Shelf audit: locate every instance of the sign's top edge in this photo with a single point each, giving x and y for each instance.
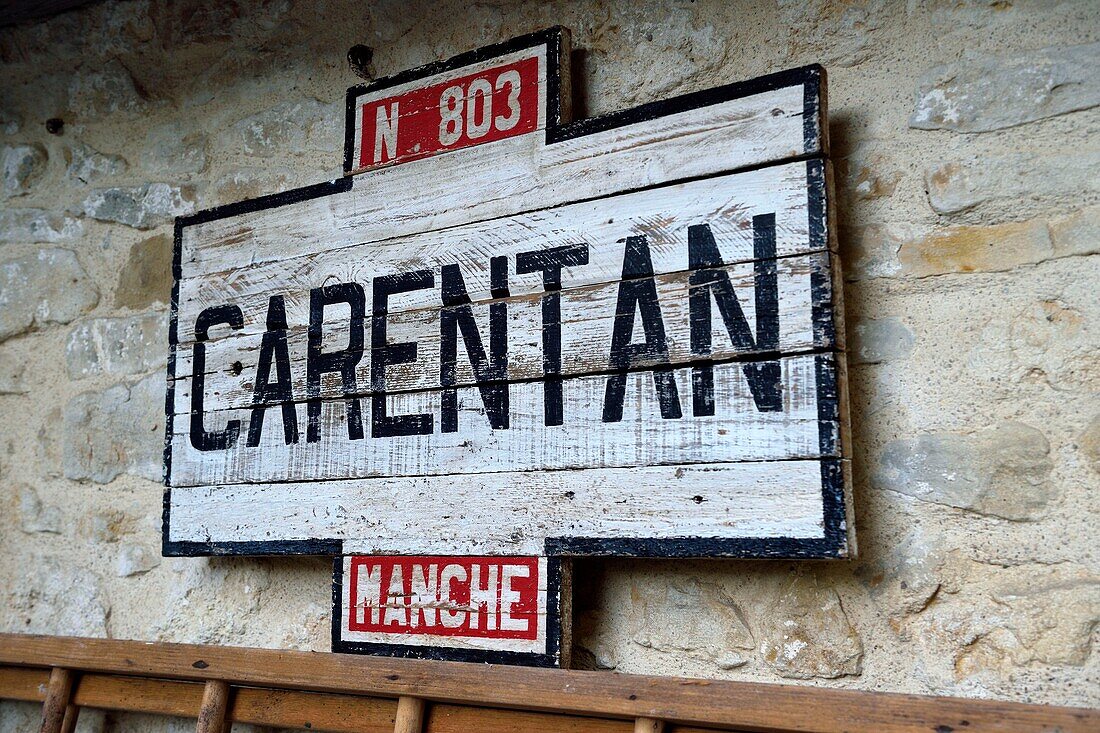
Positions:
(545, 37)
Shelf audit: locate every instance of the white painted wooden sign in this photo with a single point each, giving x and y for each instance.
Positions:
(474, 609)
(506, 333)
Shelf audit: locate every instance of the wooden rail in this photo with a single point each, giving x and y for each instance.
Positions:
(332, 692)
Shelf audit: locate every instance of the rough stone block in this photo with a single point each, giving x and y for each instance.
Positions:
(135, 560)
(1056, 339)
(55, 596)
(284, 127)
(47, 287)
(38, 226)
(993, 621)
(831, 33)
(104, 89)
(982, 92)
(1078, 234)
(85, 164)
(34, 516)
(808, 635)
(1089, 444)
(1003, 471)
(249, 183)
(905, 578)
(12, 371)
(22, 166)
(119, 430)
(171, 149)
(976, 249)
(142, 207)
(147, 276)
(698, 621)
(119, 346)
(878, 340)
(961, 185)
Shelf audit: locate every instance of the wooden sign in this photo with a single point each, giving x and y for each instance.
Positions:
(512, 334)
(505, 610)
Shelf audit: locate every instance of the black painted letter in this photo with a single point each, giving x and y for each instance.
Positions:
(549, 262)
(267, 393)
(703, 257)
(200, 439)
(384, 354)
(342, 361)
(490, 373)
(638, 291)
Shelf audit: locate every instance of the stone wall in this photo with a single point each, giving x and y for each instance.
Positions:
(966, 144)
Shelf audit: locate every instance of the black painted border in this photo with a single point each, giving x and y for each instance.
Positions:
(550, 658)
(815, 141)
(811, 77)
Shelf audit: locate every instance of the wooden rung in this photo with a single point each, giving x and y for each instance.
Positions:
(58, 693)
(648, 725)
(72, 714)
(215, 705)
(410, 715)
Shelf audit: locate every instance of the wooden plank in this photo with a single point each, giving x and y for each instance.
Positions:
(313, 711)
(649, 196)
(648, 725)
(139, 695)
(28, 685)
(646, 432)
(588, 319)
(744, 501)
(725, 204)
(751, 706)
(214, 707)
(463, 719)
(766, 121)
(277, 708)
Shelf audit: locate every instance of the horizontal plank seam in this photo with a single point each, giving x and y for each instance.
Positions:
(741, 358)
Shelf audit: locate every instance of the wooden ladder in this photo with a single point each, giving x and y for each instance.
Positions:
(219, 686)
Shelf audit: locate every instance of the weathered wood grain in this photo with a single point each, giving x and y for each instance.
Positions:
(738, 431)
(726, 204)
(721, 704)
(512, 513)
(631, 401)
(587, 322)
(514, 175)
(17, 683)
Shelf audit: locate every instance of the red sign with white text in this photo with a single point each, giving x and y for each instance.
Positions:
(473, 597)
(469, 110)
